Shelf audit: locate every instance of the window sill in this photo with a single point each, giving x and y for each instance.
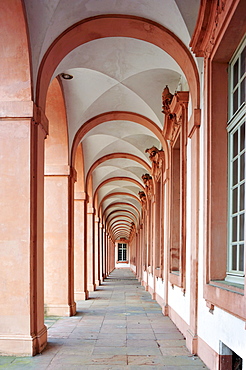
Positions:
(121, 261)
(226, 285)
(175, 278)
(227, 296)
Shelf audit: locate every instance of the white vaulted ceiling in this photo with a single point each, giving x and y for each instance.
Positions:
(113, 74)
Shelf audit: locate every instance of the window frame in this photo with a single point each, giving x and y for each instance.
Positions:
(122, 249)
(236, 121)
(175, 130)
(228, 296)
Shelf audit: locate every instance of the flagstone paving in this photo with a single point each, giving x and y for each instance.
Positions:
(118, 327)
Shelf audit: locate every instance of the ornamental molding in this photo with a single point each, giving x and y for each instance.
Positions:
(166, 100)
(157, 158)
(172, 126)
(175, 113)
(143, 199)
(211, 17)
(148, 182)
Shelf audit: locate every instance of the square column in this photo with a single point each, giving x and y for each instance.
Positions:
(80, 259)
(97, 252)
(90, 249)
(58, 231)
(22, 329)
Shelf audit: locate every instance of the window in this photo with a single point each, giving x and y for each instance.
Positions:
(236, 170)
(176, 209)
(122, 252)
(175, 130)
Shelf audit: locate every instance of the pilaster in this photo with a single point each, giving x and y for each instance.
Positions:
(58, 231)
(91, 286)
(22, 329)
(80, 260)
(97, 251)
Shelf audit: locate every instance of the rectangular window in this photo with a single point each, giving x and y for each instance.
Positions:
(176, 208)
(236, 171)
(122, 252)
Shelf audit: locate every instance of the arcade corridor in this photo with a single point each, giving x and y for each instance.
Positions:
(119, 327)
(123, 148)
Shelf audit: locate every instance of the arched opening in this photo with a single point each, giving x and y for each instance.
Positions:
(58, 282)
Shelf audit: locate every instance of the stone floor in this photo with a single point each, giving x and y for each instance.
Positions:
(119, 327)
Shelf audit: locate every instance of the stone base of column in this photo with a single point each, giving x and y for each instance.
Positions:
(191, 342)
(97, 282)
(91, 287)
(23, 345)
(153, 296)
(165, 310)
(60, 310)
(81, 296)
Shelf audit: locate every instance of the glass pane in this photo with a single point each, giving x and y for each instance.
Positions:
(242, 197)
(124, 255)
(241, 234)
(234, 257)
(235, 143)
(235, 172)
(242, 137)
(243, 60)
(234, 229)
(242, 91)
(242, 167)
(241, 257)
(234, 201)
(235, 74)
(235, 101)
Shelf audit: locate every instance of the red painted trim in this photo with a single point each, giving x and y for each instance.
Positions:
(122, 116)
(115, 156)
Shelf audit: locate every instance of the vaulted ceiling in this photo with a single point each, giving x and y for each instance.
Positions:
(119, 79)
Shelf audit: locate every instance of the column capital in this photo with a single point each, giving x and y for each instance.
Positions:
(40, 118)
(16, 110)
(90, 209)
(57, 170)
(73, 174)
(80, 195)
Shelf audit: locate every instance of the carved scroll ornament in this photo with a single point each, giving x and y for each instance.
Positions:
(143, 199)
(172, 126)
(157, 158)
(167, 98)
(148, 182)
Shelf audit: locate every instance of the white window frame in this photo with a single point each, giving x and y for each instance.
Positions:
(237, 119)
(124, 247)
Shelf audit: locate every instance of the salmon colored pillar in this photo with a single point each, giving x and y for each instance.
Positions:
(23, 128)
(111, 255)
(22, 330)
(59, 210)
(97, 252)
(107, 254)
(192, 337)
(101, 250)
(59, 300)
(104, 248)
(80, 274)
(139, 253)
(90, 248)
